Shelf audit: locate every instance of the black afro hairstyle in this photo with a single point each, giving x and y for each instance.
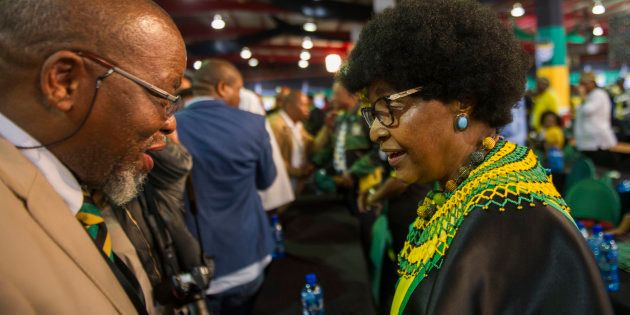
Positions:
(454, 49)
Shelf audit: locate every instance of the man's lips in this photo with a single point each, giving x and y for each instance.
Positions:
(147, 159)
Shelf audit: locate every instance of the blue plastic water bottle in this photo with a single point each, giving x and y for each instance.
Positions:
(583, 230)
(555, 157)
(595, 240)
(312, 297)
(278, 237)
(608, 263)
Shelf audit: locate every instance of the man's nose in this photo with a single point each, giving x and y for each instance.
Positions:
(169, 125)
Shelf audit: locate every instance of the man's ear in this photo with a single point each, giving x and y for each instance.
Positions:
(222, 88)
(59, 81)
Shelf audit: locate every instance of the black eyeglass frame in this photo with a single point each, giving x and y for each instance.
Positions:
(369, 112)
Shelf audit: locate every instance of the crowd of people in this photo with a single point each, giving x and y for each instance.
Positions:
(174, 175)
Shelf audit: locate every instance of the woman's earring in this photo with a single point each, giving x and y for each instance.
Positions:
(461, 122)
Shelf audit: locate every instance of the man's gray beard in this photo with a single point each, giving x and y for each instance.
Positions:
(121, 187)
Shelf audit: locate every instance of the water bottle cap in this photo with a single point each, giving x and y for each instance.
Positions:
(274, 218)
(579, 225)
(311, 279)
(608, 237)
(597, 229)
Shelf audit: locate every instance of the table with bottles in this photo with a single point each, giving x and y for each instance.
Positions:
(613, 259)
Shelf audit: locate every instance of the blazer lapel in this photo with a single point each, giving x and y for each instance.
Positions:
(49, 210)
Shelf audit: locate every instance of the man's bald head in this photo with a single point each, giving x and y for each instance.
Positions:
(218, 78)
(51, 91)
(31, 30)
(297, 106)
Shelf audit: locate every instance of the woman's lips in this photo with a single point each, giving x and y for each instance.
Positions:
(395, 157)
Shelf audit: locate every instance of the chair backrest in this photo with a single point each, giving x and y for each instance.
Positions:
(593, 199)
(583, 168)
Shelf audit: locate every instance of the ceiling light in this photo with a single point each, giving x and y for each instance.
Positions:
(517, 10)
(246, 53)
(310, 26)
(253, 62)
(598, 7)
(307, 43)
(197, 65)
(305, 55)
(598, 30)
(303, 64)
(333, 63)
(217, 22)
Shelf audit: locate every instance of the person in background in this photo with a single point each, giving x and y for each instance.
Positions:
(80, 110)
(315, 119)
(593, 130)
(552, 132)
(623, 228)
(492, 227)
(545, 99)
(344, 139)
(516, 130)
(232, 159)
(620, 98)
(295, 143)
(280, 193)
(154, 223)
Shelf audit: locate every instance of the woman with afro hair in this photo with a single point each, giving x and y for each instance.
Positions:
(494, 236)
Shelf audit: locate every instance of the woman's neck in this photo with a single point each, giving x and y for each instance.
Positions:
(468, 141)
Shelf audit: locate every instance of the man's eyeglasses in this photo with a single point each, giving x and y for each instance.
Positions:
(174, 102)
(383, 108)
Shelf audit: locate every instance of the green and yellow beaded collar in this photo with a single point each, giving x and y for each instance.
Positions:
(509, 174)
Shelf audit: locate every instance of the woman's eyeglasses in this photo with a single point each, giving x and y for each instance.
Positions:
(383, 108)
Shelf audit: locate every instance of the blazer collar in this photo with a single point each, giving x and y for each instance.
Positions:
(52, 214)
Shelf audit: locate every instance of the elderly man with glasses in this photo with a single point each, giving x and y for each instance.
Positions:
(78, 115)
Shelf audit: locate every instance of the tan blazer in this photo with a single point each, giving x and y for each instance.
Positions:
(48, 264)
(284, 138)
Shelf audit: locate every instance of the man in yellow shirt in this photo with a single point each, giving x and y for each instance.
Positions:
(545, 99)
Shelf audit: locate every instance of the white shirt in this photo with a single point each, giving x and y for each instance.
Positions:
(58, 176)
(593, 130)
(297, 152)
(280, 192)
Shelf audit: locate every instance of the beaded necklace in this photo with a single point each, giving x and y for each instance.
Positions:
(436, 197)
(508, 174)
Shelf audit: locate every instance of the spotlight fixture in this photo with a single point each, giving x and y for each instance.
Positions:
(333, 63)
(252, 62)
(303, 64)
(197, 65)
(217, 22)
(305, 55)
(246, 53)
(310, 26)
(517, 10)
(598, 30)
(307, 43)
(598, 7)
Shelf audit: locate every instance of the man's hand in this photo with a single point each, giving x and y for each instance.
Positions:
(344, 180)
(307, 170)
(330, 119)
